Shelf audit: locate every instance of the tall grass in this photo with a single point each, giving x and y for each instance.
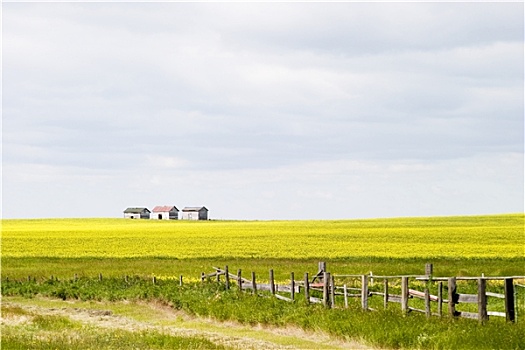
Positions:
(384, 328)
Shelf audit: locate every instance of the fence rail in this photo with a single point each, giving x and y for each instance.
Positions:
(325, 283)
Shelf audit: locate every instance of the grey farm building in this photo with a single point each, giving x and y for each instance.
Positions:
(167, 212)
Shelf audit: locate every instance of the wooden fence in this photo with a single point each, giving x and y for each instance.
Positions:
(329, 287)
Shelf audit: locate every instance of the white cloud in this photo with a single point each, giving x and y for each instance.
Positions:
(263, 103)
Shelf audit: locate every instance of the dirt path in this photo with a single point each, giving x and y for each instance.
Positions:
(151, 316)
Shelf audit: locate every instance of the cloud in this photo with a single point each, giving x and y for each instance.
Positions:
(294, 95)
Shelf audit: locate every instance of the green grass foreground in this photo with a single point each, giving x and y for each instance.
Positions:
(383, 328)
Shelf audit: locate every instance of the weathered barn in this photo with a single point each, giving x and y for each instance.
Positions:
(165, 212)
(136, 213)
(195, 213)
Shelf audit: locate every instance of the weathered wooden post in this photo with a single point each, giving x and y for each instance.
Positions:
(227, 277)
(203, 276)
(440, 298)
(254, 284)
(272, 282)
(306, 288)
(452, 298)
(427, 303)
(322, 266)
(180, 280)
(429, 269)
(385, 297)
(292, 286)
(239, 279)
(509, 300)
(100, 277)
(404, 295)
(345, 293)
(154, 280)
(332, 291)
(364, 292)
(326, 289)
(482, 300)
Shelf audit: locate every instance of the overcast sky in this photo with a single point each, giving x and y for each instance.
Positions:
(263, 110)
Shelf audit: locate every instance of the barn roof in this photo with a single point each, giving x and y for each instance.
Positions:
(136, 210)
(163, 208)
(194, 209)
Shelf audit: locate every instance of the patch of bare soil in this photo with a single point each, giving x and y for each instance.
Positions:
(107, 319)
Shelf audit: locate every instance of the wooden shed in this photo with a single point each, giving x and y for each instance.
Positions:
(165, 212)
(195, 213)
(136, 213)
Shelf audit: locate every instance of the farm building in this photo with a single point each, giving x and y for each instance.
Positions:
(136, 213)
(165, 212)
(195, 213)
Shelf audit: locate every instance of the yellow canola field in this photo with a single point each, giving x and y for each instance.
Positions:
(466, 236)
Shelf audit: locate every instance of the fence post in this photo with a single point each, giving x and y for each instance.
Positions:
(332, 291)
(254, 284)
(239, 279)
(227, 277)
(428, 312)
(100, 277)
(292, 286)
(326, 291)
(364, 292)
(510, 314)
(482, 300)
(272, 282)
(404, 295)
(440, 298)
(452, 296)
(385, 300)
(306, 288)
(180, 280)
(345, 292)
(429, 269)
(202, 277)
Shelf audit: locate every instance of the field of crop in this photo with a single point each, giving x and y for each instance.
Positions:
(35, 250)
(439, 237)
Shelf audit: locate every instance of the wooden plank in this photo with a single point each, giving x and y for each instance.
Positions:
(280, 297)
(464, 314)
(414, 309)
(421, 295)
(496, 313)
(467, 298)
(495, 295)
(315, 300)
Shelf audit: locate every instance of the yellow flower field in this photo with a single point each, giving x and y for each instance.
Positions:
(452, 237)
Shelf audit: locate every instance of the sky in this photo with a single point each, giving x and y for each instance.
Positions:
(263, 111)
